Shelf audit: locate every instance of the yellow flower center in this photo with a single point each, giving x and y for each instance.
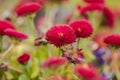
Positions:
(60, 34)
(79, 29)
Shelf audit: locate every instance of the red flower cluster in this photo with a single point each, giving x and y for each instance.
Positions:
(113, 39)
(82, 28)
(87, 72)
(54, 62)
(73, 56)
(15, 34)
(108, 14)
(4, 24)
(23, 58)
(60, 35)
(94, 1)
(28, 8)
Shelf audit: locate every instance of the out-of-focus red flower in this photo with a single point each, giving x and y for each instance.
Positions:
(90, 8)
(82, 28)
(54, 62)
(109, 17)
(73, 56)
(4, 24)
(15, 34)
(94, 1)
(87, 72)
(113, 39)
(22, 2)
(23, 58)
(60, 35)
(28, 8)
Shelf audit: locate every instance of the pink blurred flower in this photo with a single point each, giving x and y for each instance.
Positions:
(60, 35)
(87, 72)
(23, 58)
(4, 24)
(15, 34)
(28, 8)
(113, 39)
(94, 1)
(82, 28)
(54, 62)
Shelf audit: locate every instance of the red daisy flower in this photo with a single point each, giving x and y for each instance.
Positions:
(23, 58)
(60, 35)
(4, 24)
(15, 34)
(113, 39)
(28, 8)
(109, 17)
(82, 28)
(87, 72)
(94, 1)
(54, 62)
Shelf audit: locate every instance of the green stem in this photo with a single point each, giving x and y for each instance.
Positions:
(31, 26)
(78, 42)
(1, 43)
(49, 51)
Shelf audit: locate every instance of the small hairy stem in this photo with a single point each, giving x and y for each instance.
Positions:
(6, 52)
(15, 69)
(78, 42)
(49, 51)
(1, 43)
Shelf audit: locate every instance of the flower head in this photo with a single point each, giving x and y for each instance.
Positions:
(54, 62)
(4, 24)
(94, 1)
(113, 39)
(90, 8)
(87, 72)
(28, 8)
(23, 58)
(60, 35)
(82, 28)
(15, 34)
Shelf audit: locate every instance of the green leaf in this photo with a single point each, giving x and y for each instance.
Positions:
(23, 77)
(35, 69)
